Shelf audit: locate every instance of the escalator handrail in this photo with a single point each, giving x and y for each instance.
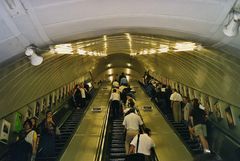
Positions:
(153, 153)
(169, 123)
(100, 148)
(224, 132)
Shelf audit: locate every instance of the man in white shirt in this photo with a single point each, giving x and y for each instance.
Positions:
(144, 146)
(115, 84)
(115, 103)
(131, 122)
(176, 100)
(83, 95)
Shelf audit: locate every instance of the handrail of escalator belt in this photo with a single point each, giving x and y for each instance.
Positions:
(100, 148)
(209, 120)
(153, 153)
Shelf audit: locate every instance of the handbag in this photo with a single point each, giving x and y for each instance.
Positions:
(136, 156)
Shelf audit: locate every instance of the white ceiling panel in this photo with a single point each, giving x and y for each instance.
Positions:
(64, 12)
(76, 27)
(9, 48)
(5, 33)
(45, 21)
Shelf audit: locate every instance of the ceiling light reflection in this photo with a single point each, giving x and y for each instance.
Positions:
(185, 46)
(163, 49)
(64, 49)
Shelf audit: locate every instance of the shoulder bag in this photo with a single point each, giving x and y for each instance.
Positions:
(136, 156)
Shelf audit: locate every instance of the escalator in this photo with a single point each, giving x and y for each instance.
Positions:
(117, 146)
(194, 145)
(67, 130)
(180, 128)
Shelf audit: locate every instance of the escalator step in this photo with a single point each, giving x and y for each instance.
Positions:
(116, 141)
(117, 145)
(194, 146)
(117, 130)
(117, 150)
(179, 123)
(117, 137)
(118, 126)
(117, 121)
(66, 130)
(192, 141)
(117, 159)
(117, 155)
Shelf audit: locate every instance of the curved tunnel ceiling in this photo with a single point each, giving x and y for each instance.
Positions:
(210, 71)
(128, 32)
(58, 21)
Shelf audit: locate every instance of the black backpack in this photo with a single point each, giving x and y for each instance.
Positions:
(20, 150)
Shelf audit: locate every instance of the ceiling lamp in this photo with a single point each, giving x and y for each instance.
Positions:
(185, 46)
(34, 58)
(231, 29)
(64, 49)
(128, 64)
(82, 52)
(163, 49)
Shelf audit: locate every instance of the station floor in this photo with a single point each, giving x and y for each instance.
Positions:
(84, 144)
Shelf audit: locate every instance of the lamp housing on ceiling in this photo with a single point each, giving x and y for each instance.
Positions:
(232, 28)
(34, 58)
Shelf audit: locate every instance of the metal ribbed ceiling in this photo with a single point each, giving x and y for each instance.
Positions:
(120, 32)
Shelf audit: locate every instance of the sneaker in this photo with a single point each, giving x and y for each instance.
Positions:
(206, 151)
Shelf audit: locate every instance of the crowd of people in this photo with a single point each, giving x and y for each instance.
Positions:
(39, 140)
(190, 112)
(80, 95)
(35, 140)
(123, 104)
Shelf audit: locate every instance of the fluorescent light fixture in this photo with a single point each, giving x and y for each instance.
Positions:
(81, 52)
(90, 53)
(128, 71)
(128, 36)
(185, 46)
(232, 28)
(152, 51)
(133, 54)
(109, 65)
(110, 71)
(128, 64)
(64, 49)
(110, 78)
(145, 51)
(128, 77)
(104, 37)
(163, 49)
(105, 45)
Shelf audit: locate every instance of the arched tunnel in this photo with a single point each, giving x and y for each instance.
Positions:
(177, 45)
